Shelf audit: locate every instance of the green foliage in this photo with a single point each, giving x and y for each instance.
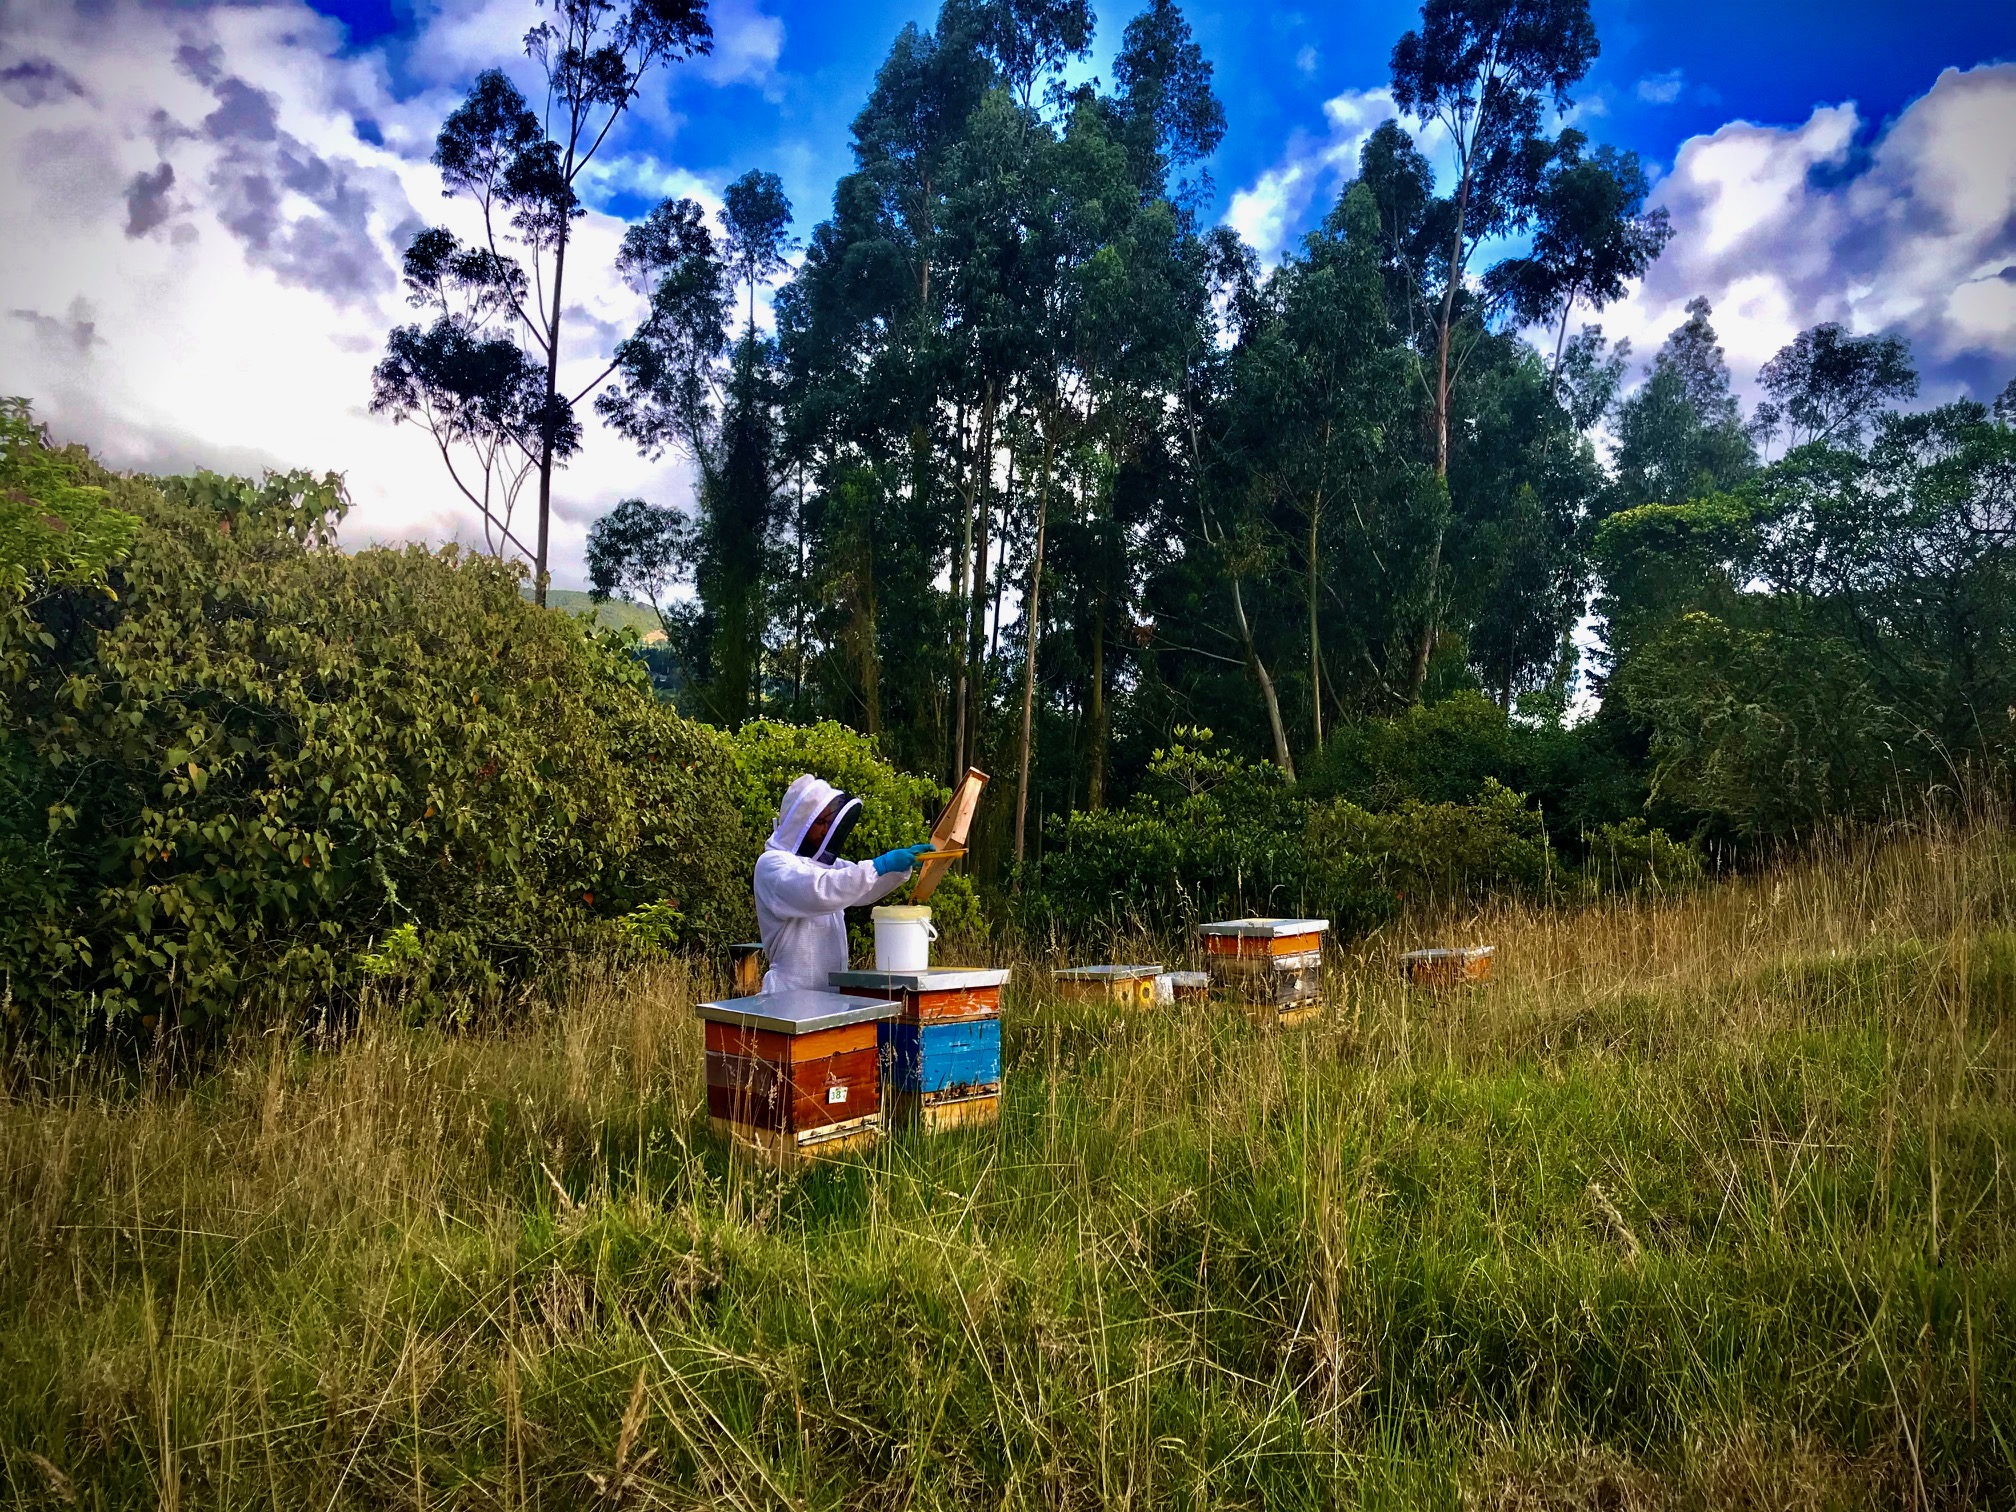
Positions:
(1632, 857)
(1442, 752)
(253, 755)
(1444, 853)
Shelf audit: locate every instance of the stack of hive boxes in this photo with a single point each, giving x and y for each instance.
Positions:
(793, 1074)
(941, 1053)
(1274, 966)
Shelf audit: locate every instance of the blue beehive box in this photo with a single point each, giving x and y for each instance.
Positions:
(961, 1057)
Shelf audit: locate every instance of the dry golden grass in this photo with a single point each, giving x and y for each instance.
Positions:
(1699, 1203)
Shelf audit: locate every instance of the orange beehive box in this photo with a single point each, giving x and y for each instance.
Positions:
(1264, 937)
(1130, 985)
(933, 994)
(941, 1057)
(792, 1074)
(1456, 967)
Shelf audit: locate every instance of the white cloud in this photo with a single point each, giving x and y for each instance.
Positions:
(1785, 227)
(208, 264)
(1661, 88)
(747, 44)
(1305, 60)
(1267, 212)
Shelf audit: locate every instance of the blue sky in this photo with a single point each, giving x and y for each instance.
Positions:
(220, 191)
(1667, 71)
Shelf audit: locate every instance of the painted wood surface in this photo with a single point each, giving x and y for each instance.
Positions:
(1248, 945)
(936, 1007)
(795, 1096)
(940, 1113)
(1449, 968)
(940, 1057)
(769, 1045)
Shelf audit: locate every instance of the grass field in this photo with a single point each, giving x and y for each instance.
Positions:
(1701, 1204)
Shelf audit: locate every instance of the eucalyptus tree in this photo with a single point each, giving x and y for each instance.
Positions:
(520, 166)
(1826, 385)
(1591, 236)
(1481, 70)
(1680, 435)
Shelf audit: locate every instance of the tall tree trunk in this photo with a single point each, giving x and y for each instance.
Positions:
(1258, 669)
(539, 573)
(976, 628)
(1095, 767)
(1315, 642)
(1030, 608)
(1444, 339)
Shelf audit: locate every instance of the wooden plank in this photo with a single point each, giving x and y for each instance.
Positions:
(1250, 945)
(932, 1007)
(950, 831)
(785, 1150)
(802, 1096)
(935, 1114)
(769, 1045)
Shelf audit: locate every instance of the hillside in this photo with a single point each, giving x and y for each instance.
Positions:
(1698, 1205)
(616, 614)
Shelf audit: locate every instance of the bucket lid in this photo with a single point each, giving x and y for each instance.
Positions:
(902, 913)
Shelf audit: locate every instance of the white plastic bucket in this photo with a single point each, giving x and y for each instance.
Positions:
(903, 937)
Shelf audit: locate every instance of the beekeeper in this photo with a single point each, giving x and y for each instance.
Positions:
(802, 888)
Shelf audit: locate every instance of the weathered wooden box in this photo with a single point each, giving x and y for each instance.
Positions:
(1131, 985)
(1273, 966)
(795, 1074)
(941, 1056)
(1187, 986)
(1458, 967)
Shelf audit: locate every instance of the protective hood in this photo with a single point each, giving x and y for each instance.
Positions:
(806, 801)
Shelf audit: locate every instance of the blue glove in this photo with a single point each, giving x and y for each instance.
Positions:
(901, 859)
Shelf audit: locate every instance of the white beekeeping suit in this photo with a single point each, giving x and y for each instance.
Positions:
(802, 890)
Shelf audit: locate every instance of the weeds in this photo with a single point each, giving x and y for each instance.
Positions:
(1701, 1204)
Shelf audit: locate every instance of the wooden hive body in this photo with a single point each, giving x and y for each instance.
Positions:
(795, 1074)
(1457, 967)
(1273, 966)
(1132, 986)
(941, 1056)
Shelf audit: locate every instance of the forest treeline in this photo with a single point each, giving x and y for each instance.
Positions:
(1255, 587)
(1037, 466)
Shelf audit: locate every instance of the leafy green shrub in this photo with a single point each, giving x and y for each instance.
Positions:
(1440, 853)
(251, 756)
(1210, 835)
(1442, 752)
(1631, 857)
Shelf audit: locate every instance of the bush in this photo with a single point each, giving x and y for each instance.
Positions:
(254, 757)
(1444, 853)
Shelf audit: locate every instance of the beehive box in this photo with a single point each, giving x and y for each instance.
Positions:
(1458, 967)
(1188, 986)
(1249, 938)
(795, 1074)
(941, 1056)
(1273, 966)
(1131, 985)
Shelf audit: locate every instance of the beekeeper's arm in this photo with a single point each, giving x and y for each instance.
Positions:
(795, 888)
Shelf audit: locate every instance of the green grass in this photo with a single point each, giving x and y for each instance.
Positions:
(1701, 1204)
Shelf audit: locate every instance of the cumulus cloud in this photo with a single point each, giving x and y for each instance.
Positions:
(214, 261)
(1911, 233)
(1267, 212)
(747, 44)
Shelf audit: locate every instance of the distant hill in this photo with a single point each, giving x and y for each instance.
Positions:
(614, 615)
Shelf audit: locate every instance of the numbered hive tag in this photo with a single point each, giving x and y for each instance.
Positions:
(836, 1094)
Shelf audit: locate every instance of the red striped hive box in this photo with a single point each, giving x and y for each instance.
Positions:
(791, 1074)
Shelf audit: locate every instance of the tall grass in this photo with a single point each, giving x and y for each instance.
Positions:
(1700, 1203)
